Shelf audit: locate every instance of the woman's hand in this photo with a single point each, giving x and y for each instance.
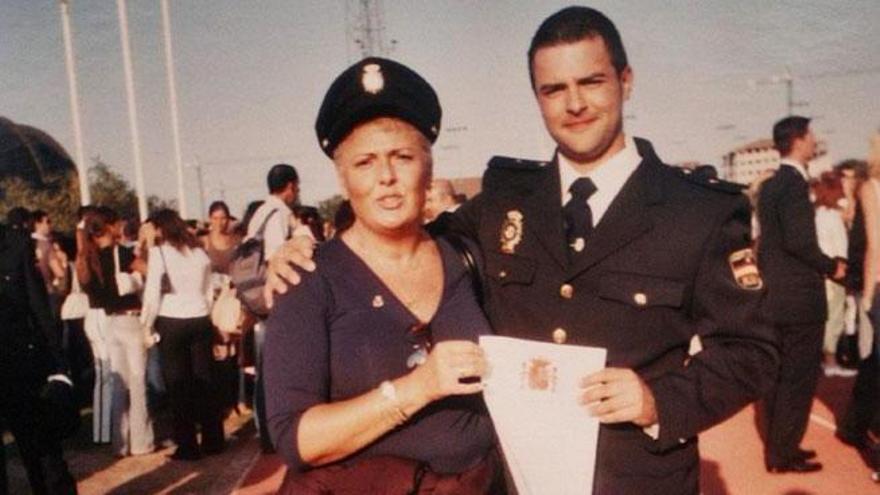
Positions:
(448, 363)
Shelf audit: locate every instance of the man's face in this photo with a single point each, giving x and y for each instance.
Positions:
(43, 226)
(291, 193)
(809, 145)
(581, 98)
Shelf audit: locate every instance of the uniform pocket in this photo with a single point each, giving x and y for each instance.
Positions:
(640, 290)
(508, 269)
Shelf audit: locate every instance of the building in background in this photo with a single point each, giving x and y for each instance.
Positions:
(746, 163)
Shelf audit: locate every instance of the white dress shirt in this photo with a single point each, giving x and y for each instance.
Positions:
(190, 273)
(609, 178)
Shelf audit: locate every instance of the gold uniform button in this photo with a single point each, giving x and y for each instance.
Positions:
(640, 298)
(566, 291)
(560, 335)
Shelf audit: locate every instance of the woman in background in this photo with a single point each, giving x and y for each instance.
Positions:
(180, 316)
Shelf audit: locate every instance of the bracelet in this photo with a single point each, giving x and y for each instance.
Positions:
(389, 392)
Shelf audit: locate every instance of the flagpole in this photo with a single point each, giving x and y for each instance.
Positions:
(172, 101)
(85, 196)
(132, 111)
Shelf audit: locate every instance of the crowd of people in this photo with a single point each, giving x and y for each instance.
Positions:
(365, 375)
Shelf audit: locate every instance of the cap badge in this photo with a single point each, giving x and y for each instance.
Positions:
(511, 231)
(372, 79)
(745, 269)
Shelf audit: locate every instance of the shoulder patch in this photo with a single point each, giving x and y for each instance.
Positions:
(704, 178)
(508, 163)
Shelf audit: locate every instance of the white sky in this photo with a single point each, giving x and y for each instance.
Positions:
(251, 75)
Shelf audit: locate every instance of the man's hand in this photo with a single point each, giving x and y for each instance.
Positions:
(296, 251)
(619, 395)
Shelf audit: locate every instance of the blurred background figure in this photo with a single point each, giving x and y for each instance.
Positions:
(30, 354)
(441, 197)
(179, 313)
(221, 240)
(51, 260)
(309, 223)
(831, 232)
(105, 272)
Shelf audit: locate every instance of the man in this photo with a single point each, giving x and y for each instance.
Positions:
(50, 261)
(639, 262)
(272, 220)
(274, 216)
(29, 354)
(441, 198)
(794, 268)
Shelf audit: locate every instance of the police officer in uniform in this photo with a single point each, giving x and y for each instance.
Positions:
(29, 355)
(606, 246)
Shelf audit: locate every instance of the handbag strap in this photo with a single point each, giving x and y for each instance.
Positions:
(165, 267)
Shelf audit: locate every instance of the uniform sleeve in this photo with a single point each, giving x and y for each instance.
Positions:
(296, 362)
(739, 359)
(799, 230)
(41, 312)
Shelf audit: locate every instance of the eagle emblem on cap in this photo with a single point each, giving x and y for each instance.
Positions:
(372, 79)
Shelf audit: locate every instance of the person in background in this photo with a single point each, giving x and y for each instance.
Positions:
(441, 198)
(117, 327)
(309, 223)
(351, 406)
(220, 241)
(828, 194)
(51, 260)
(180, 316)
(30, 354)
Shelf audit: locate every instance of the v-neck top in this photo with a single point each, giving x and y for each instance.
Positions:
(341, 332)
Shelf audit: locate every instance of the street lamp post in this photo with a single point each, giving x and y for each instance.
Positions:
(132, 111)
(172, 101)
(85, 196)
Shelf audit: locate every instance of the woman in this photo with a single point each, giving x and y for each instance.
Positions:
(113, 329)
(180, 316)
(220, 242)
(832, 235)
(366, 362)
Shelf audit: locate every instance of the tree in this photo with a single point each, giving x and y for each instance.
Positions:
(110, 189)
(59, 198)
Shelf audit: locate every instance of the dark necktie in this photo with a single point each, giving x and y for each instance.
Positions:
(578, 216)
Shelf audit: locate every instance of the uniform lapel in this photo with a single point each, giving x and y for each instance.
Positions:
(543, 214)
(627, 218)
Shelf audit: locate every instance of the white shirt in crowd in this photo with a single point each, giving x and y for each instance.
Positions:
(831, 232)
(190, 273)
(280, 227)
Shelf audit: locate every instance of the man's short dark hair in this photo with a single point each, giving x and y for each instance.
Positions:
(573, 24)
(37, 216)
(787, 130)
(279, 176)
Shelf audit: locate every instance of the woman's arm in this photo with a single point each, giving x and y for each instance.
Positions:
(329, 432)
(152, 289)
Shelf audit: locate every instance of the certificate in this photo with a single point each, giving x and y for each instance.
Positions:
(531, 389)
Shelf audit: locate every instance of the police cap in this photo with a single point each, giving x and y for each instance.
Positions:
(376, 87)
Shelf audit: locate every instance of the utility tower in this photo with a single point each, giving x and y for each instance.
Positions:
(365, 32)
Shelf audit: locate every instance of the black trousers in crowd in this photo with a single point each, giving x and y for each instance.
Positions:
(41, 454)
(785, 411)
(185, 350)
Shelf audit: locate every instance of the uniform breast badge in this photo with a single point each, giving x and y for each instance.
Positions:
(511, 231)
(745, 269)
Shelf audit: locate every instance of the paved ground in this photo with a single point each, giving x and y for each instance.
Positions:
(732, 463)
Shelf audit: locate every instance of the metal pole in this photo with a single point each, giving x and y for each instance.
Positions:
(85, 196)
(132, 111)
(198, 166)
(172, 100)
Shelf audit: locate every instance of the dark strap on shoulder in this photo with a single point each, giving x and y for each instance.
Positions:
(470, 264)
(262, 229)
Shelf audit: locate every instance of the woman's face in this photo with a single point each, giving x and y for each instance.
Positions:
(384, 166)
(219, 221)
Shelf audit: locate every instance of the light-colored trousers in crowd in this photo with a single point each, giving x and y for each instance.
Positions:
(132, 425)
(98, 332)
(837, 315)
